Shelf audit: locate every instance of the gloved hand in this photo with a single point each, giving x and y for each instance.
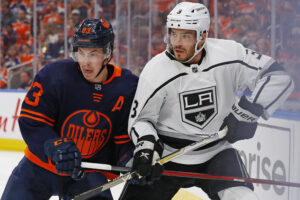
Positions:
(66, 156)
(147, 151)
(242, 121)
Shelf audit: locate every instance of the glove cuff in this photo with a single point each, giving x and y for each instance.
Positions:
(149, 142)
(145, 142)
(159, 147)
(246, 111)
(254, 108)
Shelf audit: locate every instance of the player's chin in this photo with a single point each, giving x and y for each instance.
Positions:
(180, 58)
(88, 77)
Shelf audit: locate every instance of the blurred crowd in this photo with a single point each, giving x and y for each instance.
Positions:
(140, 36)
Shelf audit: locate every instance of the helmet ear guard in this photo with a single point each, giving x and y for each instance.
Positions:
(189, 16)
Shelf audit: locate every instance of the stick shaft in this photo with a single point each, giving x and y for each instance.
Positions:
(106, 167)
(199, 175)
(228, 178)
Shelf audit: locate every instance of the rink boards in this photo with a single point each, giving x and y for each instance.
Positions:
(272, 154)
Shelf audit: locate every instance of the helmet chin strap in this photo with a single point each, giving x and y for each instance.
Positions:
(197, 51)
(107, 58)
(103, 66)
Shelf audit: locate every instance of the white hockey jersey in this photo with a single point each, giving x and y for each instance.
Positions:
(185, 103)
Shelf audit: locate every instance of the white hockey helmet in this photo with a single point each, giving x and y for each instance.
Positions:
(189, 16)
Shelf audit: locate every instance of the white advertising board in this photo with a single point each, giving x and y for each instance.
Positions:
(273, 154)
(10, 106)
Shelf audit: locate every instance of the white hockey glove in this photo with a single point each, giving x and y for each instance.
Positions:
(242, 120)
(146, 152)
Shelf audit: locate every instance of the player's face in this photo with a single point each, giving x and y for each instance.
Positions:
(90, 61)
(183, 43)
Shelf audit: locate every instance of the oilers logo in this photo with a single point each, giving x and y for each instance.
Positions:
(198, 107)
(89, 129)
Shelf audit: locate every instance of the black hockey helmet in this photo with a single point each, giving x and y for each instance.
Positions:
(94, 33)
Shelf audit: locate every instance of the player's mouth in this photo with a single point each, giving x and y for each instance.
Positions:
(179, 51)
(87, 72)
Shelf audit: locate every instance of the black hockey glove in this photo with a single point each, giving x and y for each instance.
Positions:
(66, 156)
(146, 152)
(242, 121)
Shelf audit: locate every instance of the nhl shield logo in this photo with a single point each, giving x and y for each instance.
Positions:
(198, 107)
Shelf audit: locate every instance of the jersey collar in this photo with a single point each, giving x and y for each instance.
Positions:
(187, 64)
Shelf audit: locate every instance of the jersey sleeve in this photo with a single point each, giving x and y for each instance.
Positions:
(38, 114)
(145, 108)
(269, 82)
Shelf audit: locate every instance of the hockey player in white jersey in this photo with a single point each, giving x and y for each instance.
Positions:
(188, 92)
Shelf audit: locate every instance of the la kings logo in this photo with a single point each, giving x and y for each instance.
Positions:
(198, 107)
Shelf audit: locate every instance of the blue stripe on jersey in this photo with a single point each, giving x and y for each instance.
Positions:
(261, 88)
(231, 62)
(164, 84)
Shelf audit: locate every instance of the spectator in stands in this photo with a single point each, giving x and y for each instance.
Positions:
(99, 10)
(22, 25)
(25, 80)
(7, 17)
(53, 48)
(263, 45)
(3, 73)
(12, 57)
(9, 37)
(26, 55)
(51, 15)
(81, 6)
(20, 40)
(75, 17)
(41, 6)
(17, 5)
(60, 19)
(109, 8)
(250, 38)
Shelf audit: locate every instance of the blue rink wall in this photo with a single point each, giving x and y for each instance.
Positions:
(272, 154)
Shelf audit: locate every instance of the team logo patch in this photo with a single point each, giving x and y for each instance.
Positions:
(198, 107)
(89, 129)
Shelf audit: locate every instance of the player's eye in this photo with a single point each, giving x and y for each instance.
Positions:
(173, 34)
(186, 36)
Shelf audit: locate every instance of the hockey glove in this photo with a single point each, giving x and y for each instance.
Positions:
(242, 121)
(146, 152)
(66, 156)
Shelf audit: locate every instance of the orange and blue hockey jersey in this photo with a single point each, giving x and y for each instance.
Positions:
(62, 103)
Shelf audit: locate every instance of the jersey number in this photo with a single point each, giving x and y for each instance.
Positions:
(33, 98)
(86, 30)
(254, 53)
(134, 109)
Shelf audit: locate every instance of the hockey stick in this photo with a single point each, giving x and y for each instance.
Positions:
(229, 178)
(194, 175)
(105, 167)
(129, 175)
